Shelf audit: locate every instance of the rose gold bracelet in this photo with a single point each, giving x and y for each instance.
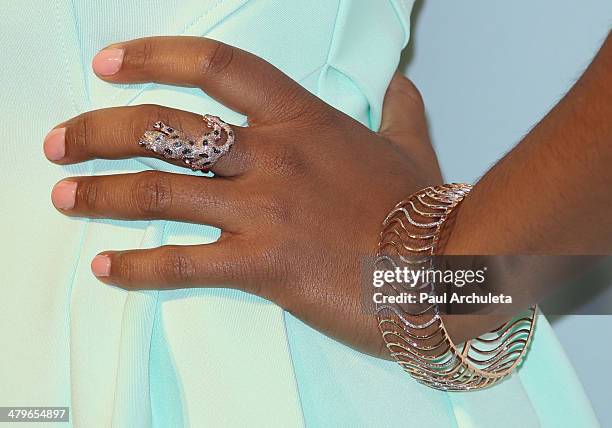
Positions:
(417, 339)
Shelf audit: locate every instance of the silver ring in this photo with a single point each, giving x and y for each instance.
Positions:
(201, 154)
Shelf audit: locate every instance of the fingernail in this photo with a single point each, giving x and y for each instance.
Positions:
(55, 144)
(108, 61)
(64, 194)
(100, 265)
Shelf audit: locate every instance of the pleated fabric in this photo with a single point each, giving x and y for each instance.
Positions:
(201, 357)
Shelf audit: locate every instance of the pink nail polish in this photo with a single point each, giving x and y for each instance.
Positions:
(108, 61)
(63, 194)
(101, 265)
(55, 144)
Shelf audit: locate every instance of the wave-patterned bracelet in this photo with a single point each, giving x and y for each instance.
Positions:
(417, 339)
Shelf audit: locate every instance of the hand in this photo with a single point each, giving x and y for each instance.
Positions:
(300, 197)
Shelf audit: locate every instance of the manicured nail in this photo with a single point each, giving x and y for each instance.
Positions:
(108, 61)
(55, 144)
(101, 265)
(64, 194)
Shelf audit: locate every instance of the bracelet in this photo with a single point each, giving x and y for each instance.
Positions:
(417, 339)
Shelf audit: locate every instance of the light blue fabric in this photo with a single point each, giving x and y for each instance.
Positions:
(202, 357)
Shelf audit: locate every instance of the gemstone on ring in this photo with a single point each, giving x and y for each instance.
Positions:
(200, 154)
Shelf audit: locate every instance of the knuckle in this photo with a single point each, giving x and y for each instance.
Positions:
(88, 194)
(152, 193)
(287, 160)
(126, 267)
(273, 210)
(279, 275)
(139, 55)
(78, 136)
(265, 273)
(215, 59)
(277, 256)
(175, 266)
(298, 107)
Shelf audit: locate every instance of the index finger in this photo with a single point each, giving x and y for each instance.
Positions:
(240, 80)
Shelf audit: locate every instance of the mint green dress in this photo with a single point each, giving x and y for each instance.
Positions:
(201, 357)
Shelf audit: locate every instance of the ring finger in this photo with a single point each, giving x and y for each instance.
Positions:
(153, 195)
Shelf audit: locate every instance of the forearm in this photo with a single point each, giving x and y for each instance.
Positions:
(550, 195)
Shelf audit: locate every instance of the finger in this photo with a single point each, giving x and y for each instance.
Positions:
(114, 133)
(403, 119)
(221, 264)
(240, 80)
(151, 195)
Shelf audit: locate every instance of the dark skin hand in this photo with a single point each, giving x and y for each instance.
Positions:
(301, 196)
(299, 199)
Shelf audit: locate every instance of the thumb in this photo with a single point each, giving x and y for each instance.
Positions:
(403, 117)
